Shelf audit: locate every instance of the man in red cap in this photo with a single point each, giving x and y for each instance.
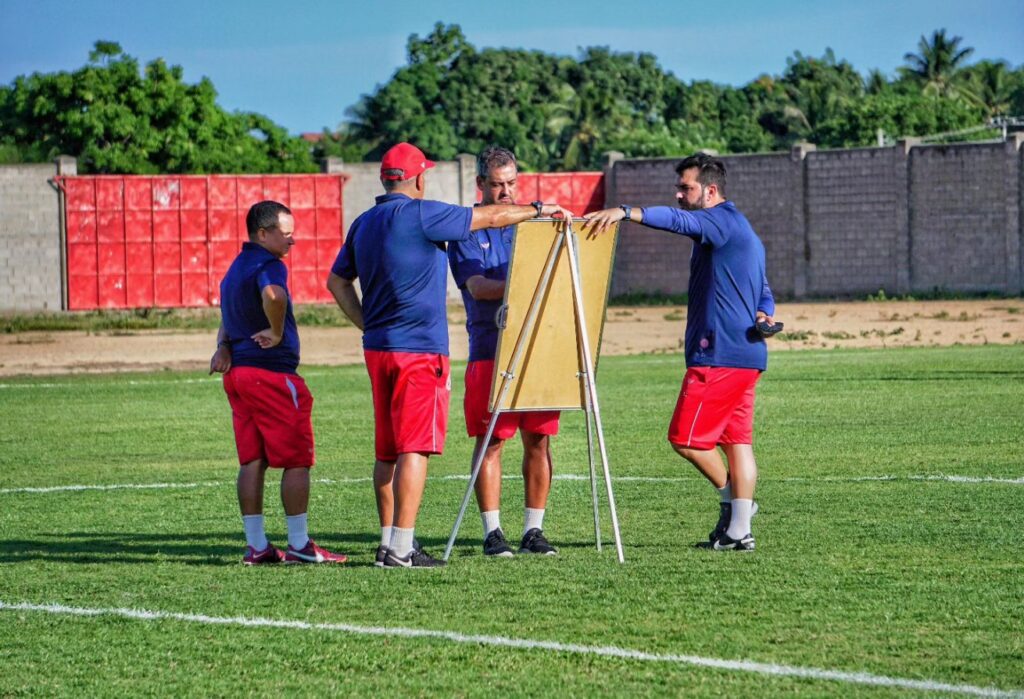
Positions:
(397, 251)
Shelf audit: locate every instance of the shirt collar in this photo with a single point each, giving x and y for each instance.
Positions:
(392, 196)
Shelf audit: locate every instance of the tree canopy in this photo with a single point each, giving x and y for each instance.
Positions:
(117, 118)
(561, 113)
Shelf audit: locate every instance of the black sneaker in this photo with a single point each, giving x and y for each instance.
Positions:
(724, 515)
(382, 551)
(534, 542)
(744, 543)
(417, 558)
(497, 545)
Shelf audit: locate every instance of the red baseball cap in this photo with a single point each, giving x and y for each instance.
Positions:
(407, 158)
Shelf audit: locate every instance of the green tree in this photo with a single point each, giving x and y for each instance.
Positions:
(991, 86)
(119, 118)
(936, 65)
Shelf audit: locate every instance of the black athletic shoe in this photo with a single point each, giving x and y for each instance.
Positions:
(724, 515)
(497, 545)
(534, 542)
(744, 543)
(417, 558)
(382, 551)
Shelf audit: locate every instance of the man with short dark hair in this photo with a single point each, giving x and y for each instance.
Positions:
(397, 251)
(729, 311)
(258, 353)
(480, 267)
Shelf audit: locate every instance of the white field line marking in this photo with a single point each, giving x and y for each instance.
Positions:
(558, 477)
(530, 644)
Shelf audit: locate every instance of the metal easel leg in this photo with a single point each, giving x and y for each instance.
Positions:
(588, 369)
(593, 475)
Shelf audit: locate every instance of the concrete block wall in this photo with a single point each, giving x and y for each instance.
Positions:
(903, 219)
(959, 218)
(30, 244)
(909, 218)
(851, 203)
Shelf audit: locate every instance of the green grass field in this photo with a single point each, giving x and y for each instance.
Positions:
(889, 556)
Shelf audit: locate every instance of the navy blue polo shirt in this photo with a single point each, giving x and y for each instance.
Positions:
(484, 253)
(241, 311)
(728, 285)
(397, 251)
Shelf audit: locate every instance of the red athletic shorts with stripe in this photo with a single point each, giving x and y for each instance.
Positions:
(715, 406)
(478, 390)
(272, 415)
(410, 402)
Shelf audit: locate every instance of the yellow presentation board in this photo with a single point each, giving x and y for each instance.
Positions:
(547, 374)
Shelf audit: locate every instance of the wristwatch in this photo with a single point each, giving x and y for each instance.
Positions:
(539, 206)
(628, 211)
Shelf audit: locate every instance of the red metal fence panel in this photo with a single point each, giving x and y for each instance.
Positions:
(140, 241)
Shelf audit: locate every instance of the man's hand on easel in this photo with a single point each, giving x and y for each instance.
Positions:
(598, 222)
(554, 210)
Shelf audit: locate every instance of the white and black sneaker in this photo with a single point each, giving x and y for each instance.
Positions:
(497, 545)
(725, 543)
(724, 516)
(534, 542)
(417, 558)
(382, 551)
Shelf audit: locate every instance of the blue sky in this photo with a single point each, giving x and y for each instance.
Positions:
(303, 63)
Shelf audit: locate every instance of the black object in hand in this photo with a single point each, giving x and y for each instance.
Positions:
(766, 329)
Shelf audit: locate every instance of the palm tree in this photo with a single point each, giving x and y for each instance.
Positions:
(990, 84)
(937, 63)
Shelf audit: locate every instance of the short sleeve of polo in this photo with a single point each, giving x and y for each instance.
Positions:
(274, 272)
(466, 259)
(443, 222)
(345, 263)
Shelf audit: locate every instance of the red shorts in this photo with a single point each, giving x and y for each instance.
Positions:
(410, 402)
(715, 406)
(478, 390)
(272, 414)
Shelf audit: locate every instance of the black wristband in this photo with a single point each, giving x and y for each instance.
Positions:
(628, 210)
(539, 206)
(224, 343)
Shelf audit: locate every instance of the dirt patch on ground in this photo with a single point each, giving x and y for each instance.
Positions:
(627, 331)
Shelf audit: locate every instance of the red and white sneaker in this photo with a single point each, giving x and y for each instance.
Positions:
(312, 554)
(267, 556)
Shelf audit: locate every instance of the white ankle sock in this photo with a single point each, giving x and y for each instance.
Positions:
(401, 541)
(739, 525)
(725, 492)
(533, 519)
(298, 535)
(255, 536)
(385, 536)
(491, 520)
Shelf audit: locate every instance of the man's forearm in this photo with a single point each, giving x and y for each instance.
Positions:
(484, 289)
(275, 305)
(667, 218)
(345, 296)
(500, 215)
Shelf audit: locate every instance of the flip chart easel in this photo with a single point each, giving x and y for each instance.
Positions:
(543, 362)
